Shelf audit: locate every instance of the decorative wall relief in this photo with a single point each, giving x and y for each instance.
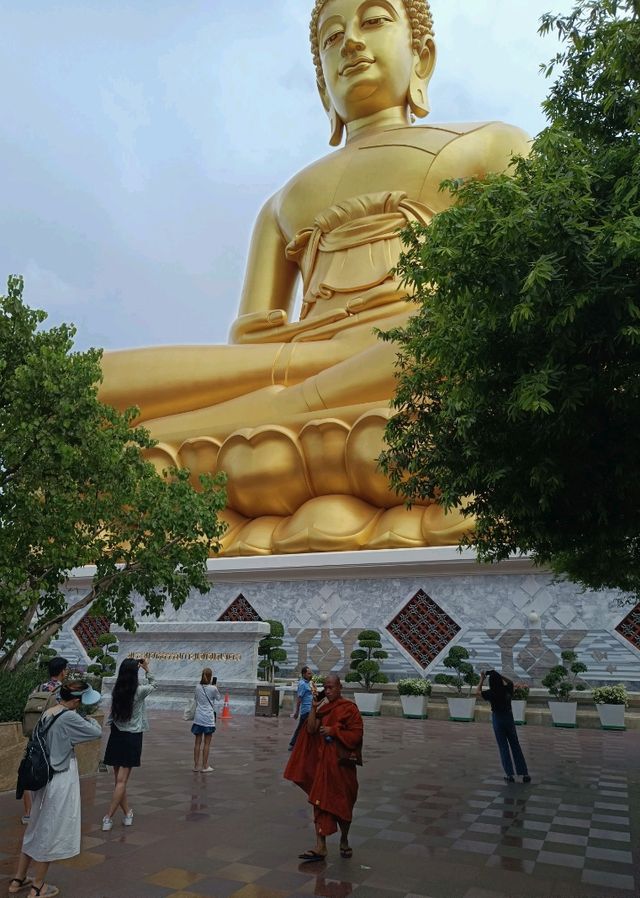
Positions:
(629, 627)
(90, 627)
(423, 629)
(240, 609)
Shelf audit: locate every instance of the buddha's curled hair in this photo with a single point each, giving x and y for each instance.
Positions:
(420, 18)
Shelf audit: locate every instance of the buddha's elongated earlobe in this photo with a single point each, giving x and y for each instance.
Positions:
(337, 125)
(417, 97)
(424, 62)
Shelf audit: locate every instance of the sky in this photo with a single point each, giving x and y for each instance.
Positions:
(139, 139)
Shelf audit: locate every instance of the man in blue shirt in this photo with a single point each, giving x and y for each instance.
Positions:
(304, 697)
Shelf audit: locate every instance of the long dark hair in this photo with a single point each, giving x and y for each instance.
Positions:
(498, 683)
(124, 690)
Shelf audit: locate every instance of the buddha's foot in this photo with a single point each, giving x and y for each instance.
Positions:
(316, 491)
(342, 523)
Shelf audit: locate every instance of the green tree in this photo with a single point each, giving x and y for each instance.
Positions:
(562, 679)
(76, 491)
(364, 660)
(464, 674)
(270, 651)
(519, 377)
(103, 655)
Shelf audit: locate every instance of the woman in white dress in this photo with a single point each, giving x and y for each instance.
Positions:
(204, 720)
(53, 832)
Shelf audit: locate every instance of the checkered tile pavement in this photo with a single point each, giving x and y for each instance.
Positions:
(434, 819)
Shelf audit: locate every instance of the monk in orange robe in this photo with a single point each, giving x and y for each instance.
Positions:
(323, 763)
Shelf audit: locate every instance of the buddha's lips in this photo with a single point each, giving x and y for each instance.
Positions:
(355, 64)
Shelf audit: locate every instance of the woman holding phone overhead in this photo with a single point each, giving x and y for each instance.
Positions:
(204, 720)
(128, 721)
(499, 694)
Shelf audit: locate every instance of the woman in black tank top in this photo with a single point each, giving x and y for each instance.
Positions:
(499, 694)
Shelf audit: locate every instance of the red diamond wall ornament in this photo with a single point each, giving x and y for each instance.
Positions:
(422, 628)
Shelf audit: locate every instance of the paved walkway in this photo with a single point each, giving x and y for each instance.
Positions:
(434, 819)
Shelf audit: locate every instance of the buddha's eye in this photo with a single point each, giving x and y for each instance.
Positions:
(374, 21)
(331, 39)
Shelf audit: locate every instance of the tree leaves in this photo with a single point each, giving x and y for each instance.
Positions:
(76, 491)
(518, 379)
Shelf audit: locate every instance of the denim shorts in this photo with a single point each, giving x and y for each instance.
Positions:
(199, 730)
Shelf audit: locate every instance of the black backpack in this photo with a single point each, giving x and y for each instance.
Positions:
(35, 771)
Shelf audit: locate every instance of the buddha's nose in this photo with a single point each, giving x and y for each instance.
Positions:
(351, 45)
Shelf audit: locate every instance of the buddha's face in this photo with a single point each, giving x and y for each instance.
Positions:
(366, 55)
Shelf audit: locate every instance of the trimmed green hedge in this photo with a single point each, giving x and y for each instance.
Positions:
(15, 687)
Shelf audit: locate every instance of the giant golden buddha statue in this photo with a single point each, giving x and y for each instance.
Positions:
(294, 411)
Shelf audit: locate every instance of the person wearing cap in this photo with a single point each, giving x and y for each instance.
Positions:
(57, 668)
(53, 832)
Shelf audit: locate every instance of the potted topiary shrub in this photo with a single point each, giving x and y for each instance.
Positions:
(366, 671)
(268, 698)
(611, 702)
(460, 708)
(561, 681)
(414, 694)
(103, 657)
(519, 702)
(271, 651)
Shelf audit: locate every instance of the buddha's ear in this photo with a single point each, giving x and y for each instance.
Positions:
(337, 125)
(424, 61)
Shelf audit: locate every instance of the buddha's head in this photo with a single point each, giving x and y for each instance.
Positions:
(371, 55)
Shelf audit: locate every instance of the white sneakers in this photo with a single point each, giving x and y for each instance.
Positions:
(107, 822)
(207, 770)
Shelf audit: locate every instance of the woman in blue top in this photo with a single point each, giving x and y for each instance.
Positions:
(128, 720)
(499, 694)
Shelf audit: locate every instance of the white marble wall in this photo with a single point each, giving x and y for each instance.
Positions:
(179, 650)
(511, 616)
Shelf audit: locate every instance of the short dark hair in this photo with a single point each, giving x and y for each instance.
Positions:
(73, 689)
(304, 669)
(57, 665)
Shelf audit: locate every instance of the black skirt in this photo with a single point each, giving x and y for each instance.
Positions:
(123, 749)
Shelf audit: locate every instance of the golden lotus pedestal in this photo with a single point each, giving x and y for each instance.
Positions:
(317, 489)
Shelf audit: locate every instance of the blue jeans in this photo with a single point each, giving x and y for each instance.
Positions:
(301, 722)
(508, 744)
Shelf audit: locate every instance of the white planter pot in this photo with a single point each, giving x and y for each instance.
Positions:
(519, 709)
(563, 714)
(611, 716)
(368, 703)
(461, 708)
(414, 705)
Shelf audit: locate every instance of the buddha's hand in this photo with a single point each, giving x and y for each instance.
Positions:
(259, 327)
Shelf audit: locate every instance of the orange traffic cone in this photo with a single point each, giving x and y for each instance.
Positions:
(226, 711)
